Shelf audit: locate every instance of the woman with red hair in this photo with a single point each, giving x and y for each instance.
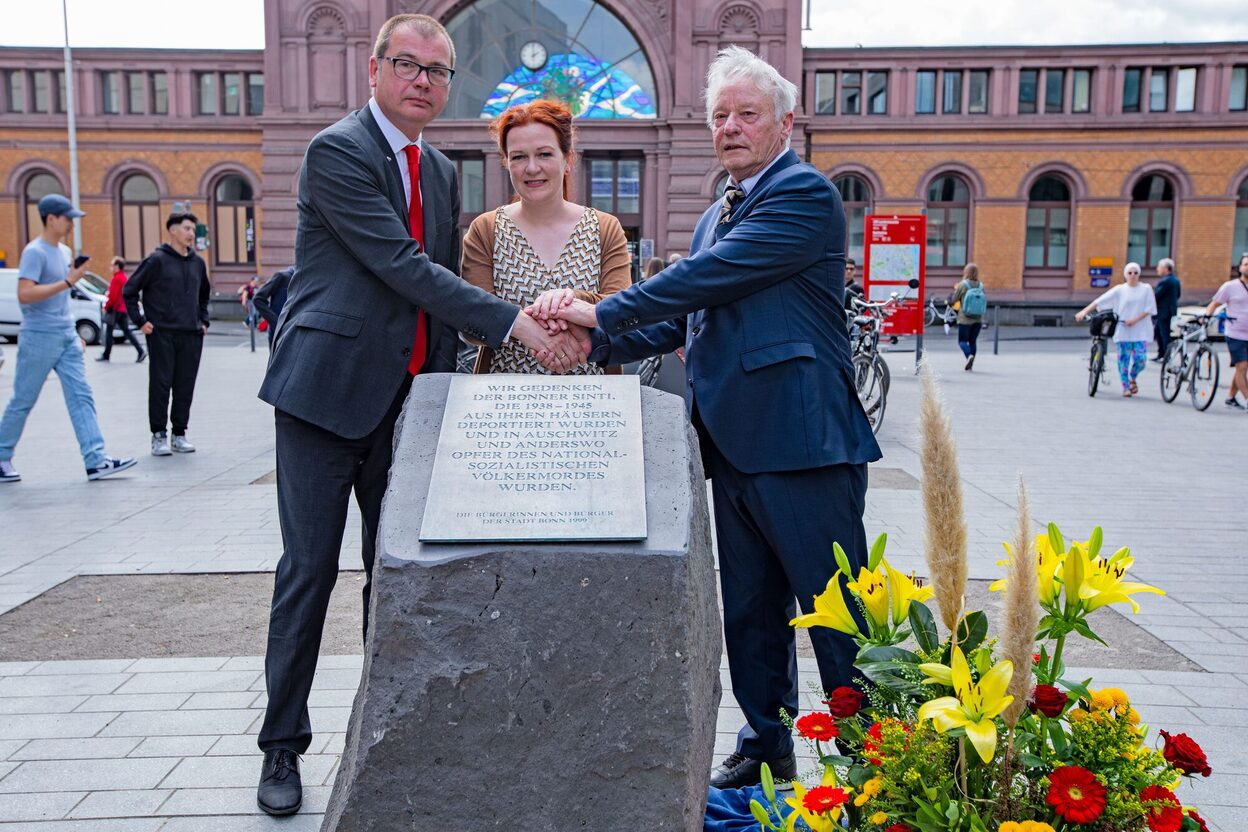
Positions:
(541, 241)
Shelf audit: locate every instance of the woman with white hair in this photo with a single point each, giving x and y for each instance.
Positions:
(1135, 304)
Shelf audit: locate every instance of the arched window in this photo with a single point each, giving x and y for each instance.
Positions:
(575, 51)
(234, 218)
(140, 217)
(1048, 224)
(1150, 235)
(856, 197)
(948, 222)
(37, 187)
(1241, 226)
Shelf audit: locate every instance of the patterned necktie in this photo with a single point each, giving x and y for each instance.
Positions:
(732, 195)
(416, 224)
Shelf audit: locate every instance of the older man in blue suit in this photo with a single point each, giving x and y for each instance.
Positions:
(758, 307)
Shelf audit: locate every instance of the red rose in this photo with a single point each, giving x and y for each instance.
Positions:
(1162, 809)
(1200, 822)
(844, 702)
(824, 799)
(1048, 700)
(1075, 794)
(818, 726)
(898, 827)
(1182, 752)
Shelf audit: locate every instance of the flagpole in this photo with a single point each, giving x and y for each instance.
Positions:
(70, 109)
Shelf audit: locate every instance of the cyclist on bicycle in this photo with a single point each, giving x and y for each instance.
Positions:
(1234, 293)
(1134, 304)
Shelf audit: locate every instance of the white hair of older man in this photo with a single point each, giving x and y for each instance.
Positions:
(1167, 262)
(737, 64)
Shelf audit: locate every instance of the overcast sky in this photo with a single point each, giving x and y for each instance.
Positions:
(239, 24)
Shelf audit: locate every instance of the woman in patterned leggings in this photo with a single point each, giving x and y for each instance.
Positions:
(541, 241)
(1135, 304)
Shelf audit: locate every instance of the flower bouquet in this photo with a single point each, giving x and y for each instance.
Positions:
(972, 733)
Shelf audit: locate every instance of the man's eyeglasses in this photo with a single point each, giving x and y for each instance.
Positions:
(439, 76)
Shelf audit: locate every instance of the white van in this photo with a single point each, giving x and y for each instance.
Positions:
(85, 306)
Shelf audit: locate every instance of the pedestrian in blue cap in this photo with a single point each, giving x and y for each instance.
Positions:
(50, 343)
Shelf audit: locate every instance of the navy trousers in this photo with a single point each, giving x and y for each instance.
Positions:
(316, 473)
(774, 533)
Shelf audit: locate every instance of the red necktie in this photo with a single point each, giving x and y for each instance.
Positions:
(416, 222)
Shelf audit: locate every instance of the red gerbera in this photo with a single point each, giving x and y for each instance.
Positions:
(824, 799)
(1075, 794)
(871, 742)
(1163, 812)
(1200, 822)
(898, 827)
(817, 726)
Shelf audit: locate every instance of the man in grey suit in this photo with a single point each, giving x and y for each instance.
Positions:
(375, 299)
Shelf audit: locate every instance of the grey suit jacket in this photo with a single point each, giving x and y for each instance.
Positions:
(344, 337)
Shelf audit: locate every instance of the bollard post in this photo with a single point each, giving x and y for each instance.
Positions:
(918, 351)
(996, 330)
(251, 330)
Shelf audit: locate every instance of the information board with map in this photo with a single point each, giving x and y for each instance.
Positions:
(895, 251)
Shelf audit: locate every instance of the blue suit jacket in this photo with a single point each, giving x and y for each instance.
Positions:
(758, 305)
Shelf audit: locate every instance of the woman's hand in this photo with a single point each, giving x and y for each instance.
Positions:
(547, 306)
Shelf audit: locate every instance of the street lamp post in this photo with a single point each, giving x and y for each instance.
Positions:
(70, 109)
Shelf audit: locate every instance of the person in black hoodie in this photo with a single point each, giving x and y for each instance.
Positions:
(171, 284)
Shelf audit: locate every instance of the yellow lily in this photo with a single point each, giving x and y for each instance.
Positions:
(830, 610)
(873, 592)
(975, 706)
(1048, 562)
(901, 591)
(1103, 582)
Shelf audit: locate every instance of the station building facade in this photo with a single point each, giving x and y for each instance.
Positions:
(1030, 161)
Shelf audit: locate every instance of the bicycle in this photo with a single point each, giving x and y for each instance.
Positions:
(947, 316)
(1102, 325)
(871, 374)
(1199, 367)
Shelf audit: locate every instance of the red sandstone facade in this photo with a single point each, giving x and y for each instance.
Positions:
(1031, 162)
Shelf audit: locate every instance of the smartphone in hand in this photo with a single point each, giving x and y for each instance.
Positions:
(80, 259)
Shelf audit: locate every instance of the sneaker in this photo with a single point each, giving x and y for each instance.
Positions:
(970, 361)
(160, 444)
(1232, 403)
(102, 358)
(181, 446)
(8, 473)
(142, 357)
(109, 467)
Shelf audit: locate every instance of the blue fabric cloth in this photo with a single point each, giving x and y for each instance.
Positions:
(728, 810)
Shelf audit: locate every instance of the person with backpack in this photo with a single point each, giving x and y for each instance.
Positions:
(972, 305)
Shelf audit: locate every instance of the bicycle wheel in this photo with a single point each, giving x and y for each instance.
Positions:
(882, 368)
(871, 391)
(1204, 380)
(1172, 372)
(1096, 364)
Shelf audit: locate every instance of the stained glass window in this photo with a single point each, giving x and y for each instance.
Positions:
(574, 51)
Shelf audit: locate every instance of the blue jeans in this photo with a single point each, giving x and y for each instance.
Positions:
(39, 354)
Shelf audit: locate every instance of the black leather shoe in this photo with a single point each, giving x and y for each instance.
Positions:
(281, 787)
(142, 357)
(738, 771)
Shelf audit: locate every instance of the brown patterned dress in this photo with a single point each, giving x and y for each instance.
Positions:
(520, 276)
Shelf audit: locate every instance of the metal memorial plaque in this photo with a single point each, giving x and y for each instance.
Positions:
(538, 458)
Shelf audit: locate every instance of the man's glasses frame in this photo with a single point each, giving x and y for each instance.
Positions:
(409, 70)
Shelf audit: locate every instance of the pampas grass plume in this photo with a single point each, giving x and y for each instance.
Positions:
(1021, 614)
(945, 518)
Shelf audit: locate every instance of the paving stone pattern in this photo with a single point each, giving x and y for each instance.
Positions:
(139, 744)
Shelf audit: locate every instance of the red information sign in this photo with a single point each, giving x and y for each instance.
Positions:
(895, 254)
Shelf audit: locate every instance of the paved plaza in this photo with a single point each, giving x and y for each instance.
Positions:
(149, 743)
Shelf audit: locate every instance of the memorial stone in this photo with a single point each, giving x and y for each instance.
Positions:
(536, 685)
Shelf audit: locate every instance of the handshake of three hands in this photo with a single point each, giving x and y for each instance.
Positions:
(555, 329)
